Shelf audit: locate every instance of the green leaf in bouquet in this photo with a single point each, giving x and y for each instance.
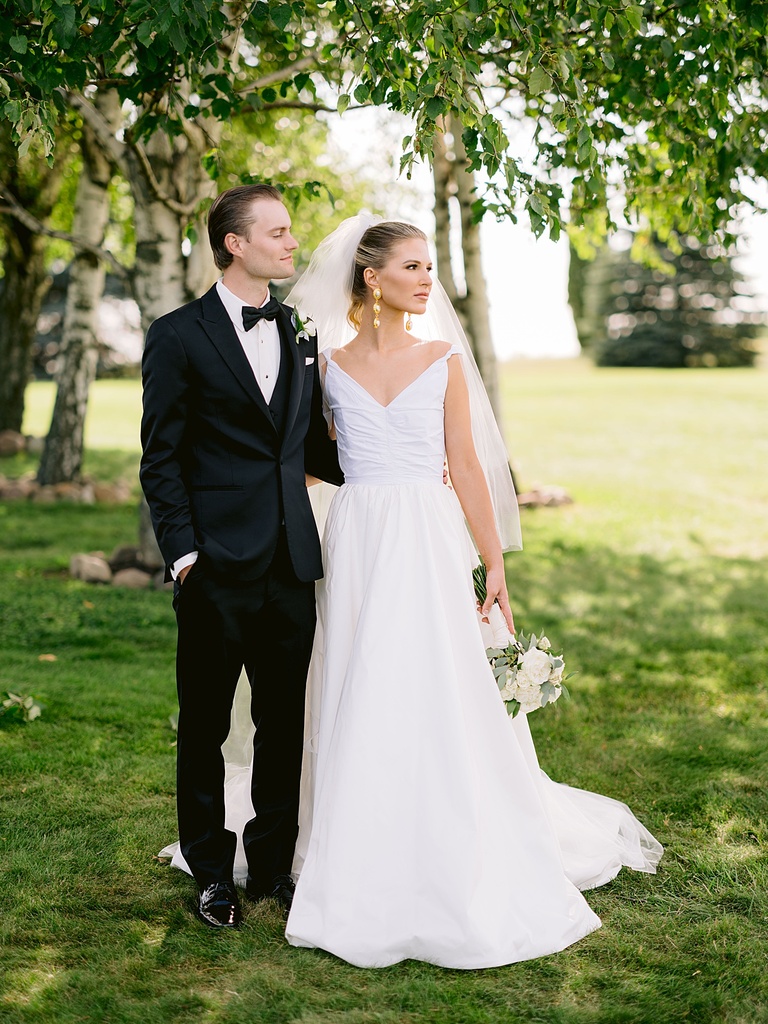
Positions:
(479, 576)
(565, 691)
(548, 691)
(513, 706)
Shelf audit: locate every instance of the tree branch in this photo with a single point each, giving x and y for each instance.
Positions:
(15, 209)
(182, 209)
(300, 105)
(274, 77)
(117, 153)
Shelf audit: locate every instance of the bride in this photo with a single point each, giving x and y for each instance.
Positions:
(428, 830)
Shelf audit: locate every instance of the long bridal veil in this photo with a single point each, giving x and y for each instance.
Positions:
(322, 294)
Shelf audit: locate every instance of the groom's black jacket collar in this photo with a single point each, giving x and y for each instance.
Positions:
(217, 324)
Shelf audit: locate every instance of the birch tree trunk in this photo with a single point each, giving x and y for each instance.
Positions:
(475, 303)
(445, 186)
(164, 277)
(63, 452)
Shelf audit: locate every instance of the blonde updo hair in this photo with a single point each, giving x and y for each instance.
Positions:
(374, 250)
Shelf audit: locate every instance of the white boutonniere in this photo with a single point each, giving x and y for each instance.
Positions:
(303, 331)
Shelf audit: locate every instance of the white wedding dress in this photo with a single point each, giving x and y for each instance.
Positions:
(428, 830)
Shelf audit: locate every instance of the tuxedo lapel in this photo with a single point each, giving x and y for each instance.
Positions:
(218, 326)
(288, 335)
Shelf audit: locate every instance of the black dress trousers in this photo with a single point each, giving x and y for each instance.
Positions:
(266, 625)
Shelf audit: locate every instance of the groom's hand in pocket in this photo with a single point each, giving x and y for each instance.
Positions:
(183, 573)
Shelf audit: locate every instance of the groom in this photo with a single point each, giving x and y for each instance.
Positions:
(232, 421)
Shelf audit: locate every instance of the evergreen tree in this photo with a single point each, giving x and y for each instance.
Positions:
(686, 306)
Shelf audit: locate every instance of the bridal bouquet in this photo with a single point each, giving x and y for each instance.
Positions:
(528, 675)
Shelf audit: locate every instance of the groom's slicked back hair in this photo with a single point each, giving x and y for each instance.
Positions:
(374, 250)
(232, 212)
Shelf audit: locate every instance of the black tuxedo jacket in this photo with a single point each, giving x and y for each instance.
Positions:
(218, 476)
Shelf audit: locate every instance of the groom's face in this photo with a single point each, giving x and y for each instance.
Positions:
(266, 250)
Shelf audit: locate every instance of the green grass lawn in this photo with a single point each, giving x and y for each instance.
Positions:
(654, 581)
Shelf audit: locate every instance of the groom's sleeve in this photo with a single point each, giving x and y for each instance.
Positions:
(166, 390)
(321, 457)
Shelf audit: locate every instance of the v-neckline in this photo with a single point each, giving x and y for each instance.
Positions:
(391, 402)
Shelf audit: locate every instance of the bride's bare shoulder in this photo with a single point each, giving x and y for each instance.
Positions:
(343, 352)
(434, 348)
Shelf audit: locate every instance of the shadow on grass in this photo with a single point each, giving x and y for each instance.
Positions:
(668, 713)
(670, 655)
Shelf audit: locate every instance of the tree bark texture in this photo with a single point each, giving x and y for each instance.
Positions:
(164, 277)
(63, 452)
(474, 305)
(445, 187)
(22, 290)
(25, 279)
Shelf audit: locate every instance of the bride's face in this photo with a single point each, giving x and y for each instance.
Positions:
(405, 279)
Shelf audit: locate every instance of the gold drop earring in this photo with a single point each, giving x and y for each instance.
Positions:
(408, 322)
(376, 306)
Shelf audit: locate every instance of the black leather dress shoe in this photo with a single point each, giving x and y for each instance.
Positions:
(282, 890)
(218, 906)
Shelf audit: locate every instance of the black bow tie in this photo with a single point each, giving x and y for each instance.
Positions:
(252, 315)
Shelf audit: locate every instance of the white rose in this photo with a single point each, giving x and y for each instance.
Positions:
(507, 694)
(535, 667)
(529, 695)
(543, 643)
(526, 706)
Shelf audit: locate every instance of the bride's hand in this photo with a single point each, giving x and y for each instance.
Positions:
(496, 590)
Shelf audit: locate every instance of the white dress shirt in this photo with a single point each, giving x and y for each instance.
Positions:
(261, 344)
(262, 350)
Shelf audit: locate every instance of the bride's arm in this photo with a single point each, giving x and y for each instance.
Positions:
(471, 488)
